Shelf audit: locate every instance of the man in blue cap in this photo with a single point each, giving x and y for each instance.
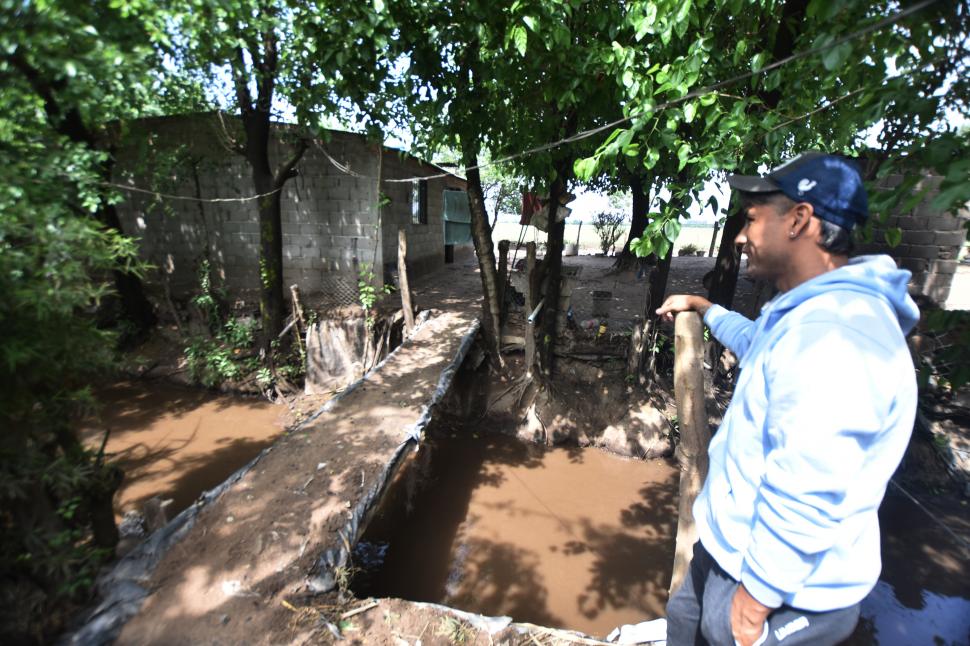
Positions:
(820, 417)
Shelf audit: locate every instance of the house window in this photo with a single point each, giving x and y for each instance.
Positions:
(419, 201)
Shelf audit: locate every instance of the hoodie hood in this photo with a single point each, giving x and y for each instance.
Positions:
(876, 275)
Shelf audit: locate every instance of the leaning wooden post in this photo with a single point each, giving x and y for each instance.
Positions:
(530, 299)
(503, 275)
(691, 451)
(717, 227)
(402, 279)
(299, 322)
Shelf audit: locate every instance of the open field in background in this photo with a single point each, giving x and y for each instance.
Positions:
(589, 242)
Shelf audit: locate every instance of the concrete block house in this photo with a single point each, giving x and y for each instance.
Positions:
(334, 220)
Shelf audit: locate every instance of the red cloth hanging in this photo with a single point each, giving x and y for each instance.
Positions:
(530, 205)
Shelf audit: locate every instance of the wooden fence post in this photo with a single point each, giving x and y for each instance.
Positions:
(691, 451)
(402, 279)
(503, 275)
(530, 300)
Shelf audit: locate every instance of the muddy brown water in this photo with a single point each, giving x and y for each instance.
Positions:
(566, 537)
(176, 442)
(579, 539)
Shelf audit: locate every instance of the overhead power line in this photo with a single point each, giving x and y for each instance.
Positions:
(586, 134)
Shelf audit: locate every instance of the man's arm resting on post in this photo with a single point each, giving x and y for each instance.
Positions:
(730, 328)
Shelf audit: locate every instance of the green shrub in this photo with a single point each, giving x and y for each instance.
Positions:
(609, 228)
(55, 495)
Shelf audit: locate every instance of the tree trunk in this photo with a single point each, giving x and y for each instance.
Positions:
(503, 277)
(402, 279)
(482, 238)
(553, 264)
(724, 279)
(136, 307)
(272, 302)
(691, 451)
(658, 283)
(531, 300)
(638, 221)
(657, 291)
(725, 275)
(717, 227)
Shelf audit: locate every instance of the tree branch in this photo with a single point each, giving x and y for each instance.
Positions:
(243, 97)
(287, 169)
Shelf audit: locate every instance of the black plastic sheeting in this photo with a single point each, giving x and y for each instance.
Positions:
(324, 579)
(121, 591)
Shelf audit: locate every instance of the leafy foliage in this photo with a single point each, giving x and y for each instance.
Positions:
(368, 294)
(902, 79)
(53, 257)
(948, 360)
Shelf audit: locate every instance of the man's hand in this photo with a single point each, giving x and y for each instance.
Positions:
(748, 617)
(682, 303)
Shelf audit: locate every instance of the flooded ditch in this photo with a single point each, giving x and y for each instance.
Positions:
(571, 538)
(564, 537)
(175, 442)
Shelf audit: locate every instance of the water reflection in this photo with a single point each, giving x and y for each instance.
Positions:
(571, 538)
(939, 620)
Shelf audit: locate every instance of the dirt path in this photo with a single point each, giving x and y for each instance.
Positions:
(253, 548)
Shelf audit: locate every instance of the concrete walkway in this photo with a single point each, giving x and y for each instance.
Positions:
(231, 578)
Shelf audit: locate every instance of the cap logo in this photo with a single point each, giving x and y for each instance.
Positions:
(805, 185)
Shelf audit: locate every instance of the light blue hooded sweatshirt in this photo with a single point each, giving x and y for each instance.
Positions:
(821, 415)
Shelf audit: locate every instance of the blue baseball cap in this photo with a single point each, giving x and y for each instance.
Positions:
(830, 183)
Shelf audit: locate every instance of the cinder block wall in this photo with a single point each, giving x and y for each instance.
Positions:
(930, 244)
(426, 242)
(329, 216)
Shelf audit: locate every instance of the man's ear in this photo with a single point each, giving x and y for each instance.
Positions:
(801, 216)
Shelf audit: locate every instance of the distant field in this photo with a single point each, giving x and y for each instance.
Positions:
(589, 242)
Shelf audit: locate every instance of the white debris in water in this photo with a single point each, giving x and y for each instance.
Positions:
(321, 465)
(654, 632)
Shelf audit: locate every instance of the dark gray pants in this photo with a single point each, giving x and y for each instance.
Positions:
(700, 613)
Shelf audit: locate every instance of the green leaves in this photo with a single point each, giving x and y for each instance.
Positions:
(690, 111)
(758, 61)
(585, 168)
(894, 236)
(657, 238)
(834, 57)
(683, 155)
(519, 38)
(644, 24)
